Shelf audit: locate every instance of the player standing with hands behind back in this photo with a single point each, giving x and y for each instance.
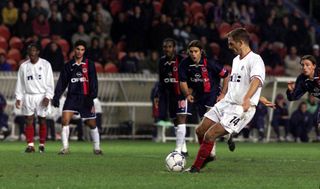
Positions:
(232, 113)
(80, 76)
(34, 90)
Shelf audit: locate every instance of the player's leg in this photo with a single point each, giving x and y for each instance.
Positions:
(65, 131)
(94, 133)
(29, 132)
(179, 107)
(42, 133)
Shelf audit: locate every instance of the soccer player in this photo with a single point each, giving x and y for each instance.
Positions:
(200, 82)
(308, 81)
(79, 75)
(169, 94)
(34, 90)
(232, 113)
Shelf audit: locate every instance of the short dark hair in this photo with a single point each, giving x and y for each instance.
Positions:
(310, 58)
(170, 40)
(239, 34)
(195, 43)
(80, 43)
(35, 45)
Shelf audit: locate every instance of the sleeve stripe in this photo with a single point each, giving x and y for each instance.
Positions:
(258, 77)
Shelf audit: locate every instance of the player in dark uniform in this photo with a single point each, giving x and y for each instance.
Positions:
(169, 94)
(308, 81)
(200, 82)
(79, 75)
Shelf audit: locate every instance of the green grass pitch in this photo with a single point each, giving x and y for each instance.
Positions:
(140, 164)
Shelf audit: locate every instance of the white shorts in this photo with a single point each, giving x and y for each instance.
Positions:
(32, 104)
(231, 116)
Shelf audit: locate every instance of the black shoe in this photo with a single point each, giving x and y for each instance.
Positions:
(185, 154)
(29, 149)
(208, 160)
(97, 152)
(41, 149)
(192, 170)
(231, 144)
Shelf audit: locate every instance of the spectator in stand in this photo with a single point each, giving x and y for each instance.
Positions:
(69, 26)
(119, 27)
(54, 8)
(25, 7)
(56, 26)
(22, 27)
(37, 9)
(80, 35)
(162, 30)
(281, 117)
(300, 123)
(129, 64)
(53, 53)
(294, 34)
(40, 26)
(4, 65)
(272, 59)
(94, 52)
(105, 16)
(150, 64)
(86, 22)
(316, 53)
(292, 63)
(282, 29)
(312, 108)
(97, 33)
(10, 14)
(109, 52)
(268, 30)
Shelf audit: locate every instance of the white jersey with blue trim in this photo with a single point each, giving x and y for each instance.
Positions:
(243, 71)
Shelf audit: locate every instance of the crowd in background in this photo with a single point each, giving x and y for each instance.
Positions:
(126, 35)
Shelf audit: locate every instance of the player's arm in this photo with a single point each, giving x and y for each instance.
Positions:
(49, 86)
(266, 102)
(62, 84)
(226, 76)
(93, 81)
(183, 82)
(296, 89)
(20, 88)
(254, 85)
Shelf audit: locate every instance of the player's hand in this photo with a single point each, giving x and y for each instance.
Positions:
(291, 86)
(190, 98)
(246, 104)
(220, 97)
(267, 103)
(45, 102)
(18, 104)
(55, 102)
(156, 102)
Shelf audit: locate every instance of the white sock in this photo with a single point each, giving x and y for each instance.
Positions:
(31, 144)
(213, 151)
(65, 136)
(184, 146)
(180, 134)
(95, 138)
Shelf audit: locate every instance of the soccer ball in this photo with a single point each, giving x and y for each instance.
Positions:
(175, 162)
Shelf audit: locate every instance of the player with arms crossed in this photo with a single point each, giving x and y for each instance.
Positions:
(200, 82)
(308, 81)
(232, 113)
(169, 94)
(34, 90)
(79, 75)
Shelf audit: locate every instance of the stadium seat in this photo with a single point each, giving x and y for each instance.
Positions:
(236, 25)
(115, 7)
(196, 7)
(13, 63)
(14, 54)
(157, 7)
(224, 28)
(16, 43)
(111, 68)
(3, 43)
(5, 32)
(99, 67)
(45, 42)
(64, 45)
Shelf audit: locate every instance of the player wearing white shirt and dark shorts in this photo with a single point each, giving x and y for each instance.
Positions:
(34, 89)
(237, 108)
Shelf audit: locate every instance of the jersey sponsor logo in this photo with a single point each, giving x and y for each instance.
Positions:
(79, 74)
(84, 70)
(170, 80)
(76, 79)
(235, 77)
(198, 78)
(169, 63)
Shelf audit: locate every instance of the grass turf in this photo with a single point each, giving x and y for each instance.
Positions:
(140, 164)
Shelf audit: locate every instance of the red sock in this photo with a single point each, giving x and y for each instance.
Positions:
(43, 133)
(203, 153)
(29, 130)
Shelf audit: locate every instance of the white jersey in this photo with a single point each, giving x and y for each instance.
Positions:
(243, 71)
(35, 79)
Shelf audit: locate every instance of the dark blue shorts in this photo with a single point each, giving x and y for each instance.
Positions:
(168, 103)
(78, 103)
(201, 104)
